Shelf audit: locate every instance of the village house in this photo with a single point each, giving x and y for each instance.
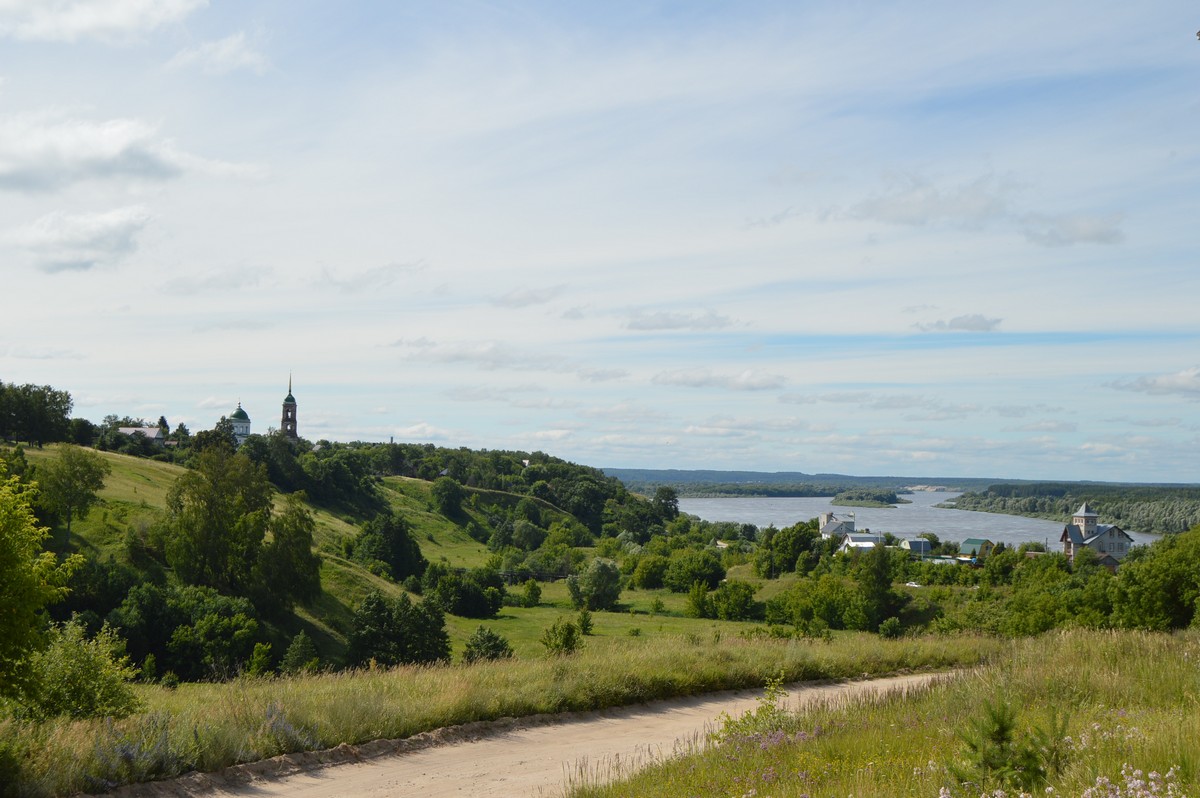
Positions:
(860, 541)
(975, 549)
(1110, 542)
(156, 435)
(832, 526)
(917, 547)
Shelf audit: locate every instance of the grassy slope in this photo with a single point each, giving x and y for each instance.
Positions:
(135, 494)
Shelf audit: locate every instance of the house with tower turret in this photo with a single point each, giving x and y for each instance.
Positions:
(1110, 542)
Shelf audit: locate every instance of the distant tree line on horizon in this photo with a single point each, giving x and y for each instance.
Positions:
(1141, 508)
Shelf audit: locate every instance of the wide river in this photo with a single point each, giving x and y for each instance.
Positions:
(903, 520)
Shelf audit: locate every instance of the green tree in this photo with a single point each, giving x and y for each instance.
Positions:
(301, 655)
(598, 587)
(733, 600)
(291, 569)
(70, 481)
(447, 496)
(387, 538)
(397, 631)
(30, 578)
(484, 644)
(691, 565)
(217, 514)
(666, 503)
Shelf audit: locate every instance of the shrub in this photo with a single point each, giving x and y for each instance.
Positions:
(598, 587)
(484, 644)
(301, 655)
(532, 595)
(890, 628)
(688, 566)
(561, 638)
(585, 621)
(81, 678)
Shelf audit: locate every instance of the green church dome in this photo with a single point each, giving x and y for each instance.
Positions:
(239, 414)
(289, 399)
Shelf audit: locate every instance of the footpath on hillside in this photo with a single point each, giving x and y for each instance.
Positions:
(512, 757)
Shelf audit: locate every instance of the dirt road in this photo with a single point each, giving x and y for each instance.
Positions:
(520, 758)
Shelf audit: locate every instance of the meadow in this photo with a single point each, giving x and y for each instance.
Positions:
(1109, 714)
(207, 726)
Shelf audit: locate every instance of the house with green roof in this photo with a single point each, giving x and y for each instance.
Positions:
(975, 549)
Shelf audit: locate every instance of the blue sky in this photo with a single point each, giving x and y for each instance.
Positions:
(927, 238)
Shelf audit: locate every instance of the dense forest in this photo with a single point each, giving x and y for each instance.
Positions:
(1140, 508)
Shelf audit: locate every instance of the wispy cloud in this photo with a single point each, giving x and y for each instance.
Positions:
(914, 200)
(107, 20)
(78, 242)
(1065, 230)
(983, 202)
(372, 279)
(48, 150)
(972, 322)
(748, 380)
(231, 54)
(1184, 383)
(667, 320)
(524, 297)
(487, 355)
(222, 280)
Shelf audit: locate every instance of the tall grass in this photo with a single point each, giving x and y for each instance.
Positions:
(1128, 698)
(209, 726)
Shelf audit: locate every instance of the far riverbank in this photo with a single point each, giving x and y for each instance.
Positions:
(904, 520)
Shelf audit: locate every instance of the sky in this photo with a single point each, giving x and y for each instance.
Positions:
(913, 238)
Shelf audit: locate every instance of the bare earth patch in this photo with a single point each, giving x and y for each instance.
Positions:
(511, 757)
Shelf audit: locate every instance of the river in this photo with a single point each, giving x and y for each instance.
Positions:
(903, 521)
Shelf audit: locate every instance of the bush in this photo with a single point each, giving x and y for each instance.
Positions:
(484, 644)
(688, 566)
(890, 628)
(561, 638)
(301, 655)
(81, 678)
(598, 587)
(585, 622)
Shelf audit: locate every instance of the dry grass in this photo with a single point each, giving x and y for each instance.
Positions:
(208, 726)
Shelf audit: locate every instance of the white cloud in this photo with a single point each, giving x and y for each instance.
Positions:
(72, 20)
(48, 151)
(1184, 383)
(1067, 229)
(524, 297)
(371, 279)
(913, 200)
(973, 322)
(221, 57)
(666, 320)
(78, 242)
(748, 380)
(488, 355)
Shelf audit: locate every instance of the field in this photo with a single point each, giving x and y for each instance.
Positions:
(209, 726)
(1108, 702)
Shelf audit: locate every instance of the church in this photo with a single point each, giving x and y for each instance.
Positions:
(287, 425)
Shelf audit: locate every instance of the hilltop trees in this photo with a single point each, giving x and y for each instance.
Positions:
(217, 515)
(70, 481)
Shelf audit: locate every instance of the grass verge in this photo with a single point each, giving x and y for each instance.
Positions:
(209, 726)
(1130, 700)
